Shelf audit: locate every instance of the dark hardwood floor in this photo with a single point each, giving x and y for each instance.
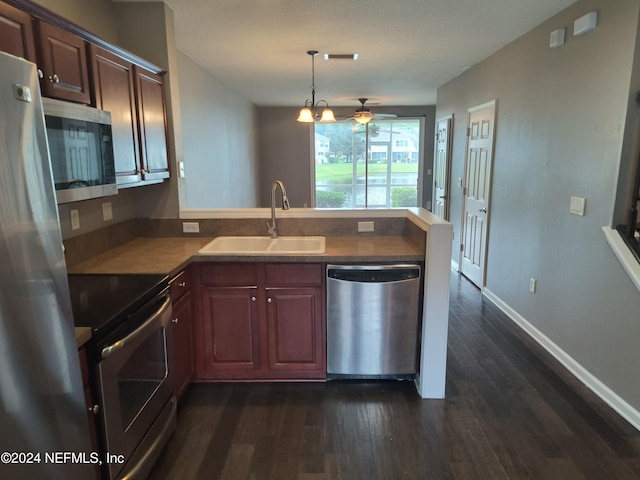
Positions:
(511, 412)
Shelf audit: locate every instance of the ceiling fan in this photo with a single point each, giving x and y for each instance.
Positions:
(364, 114)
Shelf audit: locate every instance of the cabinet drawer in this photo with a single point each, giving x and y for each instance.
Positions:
(293, 274)
(228, 274)
(180, 284)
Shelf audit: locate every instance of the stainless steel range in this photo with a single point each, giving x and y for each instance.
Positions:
(131, 353)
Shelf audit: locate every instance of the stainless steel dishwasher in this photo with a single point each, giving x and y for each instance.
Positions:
(372, 320)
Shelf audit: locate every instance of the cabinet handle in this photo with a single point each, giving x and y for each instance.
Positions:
(54, 78)
(95, 409)
(40, 74)
(182, 284)
(174, 320)
(269, 300)
(253, 299)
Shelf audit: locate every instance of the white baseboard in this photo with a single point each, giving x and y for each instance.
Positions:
(607, 395)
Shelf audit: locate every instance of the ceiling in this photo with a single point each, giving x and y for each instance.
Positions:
(406, 48)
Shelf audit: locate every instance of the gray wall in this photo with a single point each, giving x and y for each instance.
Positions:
(218, 128)
(559, 132)
(284, 146)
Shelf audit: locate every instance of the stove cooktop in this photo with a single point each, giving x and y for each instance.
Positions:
(102, 302)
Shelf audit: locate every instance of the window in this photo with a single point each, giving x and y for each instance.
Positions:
(371, 166)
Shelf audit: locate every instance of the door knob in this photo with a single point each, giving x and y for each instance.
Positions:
(443, 196)
(482, 210)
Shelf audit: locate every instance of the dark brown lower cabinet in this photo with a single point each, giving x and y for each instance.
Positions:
(92, 406)
(182, 324)
(260, 321)
(183, 339)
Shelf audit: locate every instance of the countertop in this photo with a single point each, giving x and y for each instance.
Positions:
(169, 255)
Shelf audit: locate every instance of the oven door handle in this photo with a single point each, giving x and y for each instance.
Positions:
(114, 347)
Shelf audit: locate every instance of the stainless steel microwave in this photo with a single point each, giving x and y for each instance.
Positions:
(81, 149)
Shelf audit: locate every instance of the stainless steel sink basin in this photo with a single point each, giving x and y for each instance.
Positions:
(264, 246)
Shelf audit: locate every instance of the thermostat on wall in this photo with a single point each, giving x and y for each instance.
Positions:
(585, 24)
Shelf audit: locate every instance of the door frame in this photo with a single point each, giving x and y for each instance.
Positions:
(492, 103)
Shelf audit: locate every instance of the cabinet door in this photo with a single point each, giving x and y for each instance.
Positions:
(113, 82)
(16, 33)
(231, 331)
(182, 336)
(63, 60)
(295, 332)
(152, 123)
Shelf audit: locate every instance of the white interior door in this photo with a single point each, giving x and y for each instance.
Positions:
(441, 168)
(477, 190)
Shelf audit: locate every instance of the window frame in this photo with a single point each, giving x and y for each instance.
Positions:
(420, 160)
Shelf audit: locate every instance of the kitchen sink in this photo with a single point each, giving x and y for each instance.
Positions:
(288, 245)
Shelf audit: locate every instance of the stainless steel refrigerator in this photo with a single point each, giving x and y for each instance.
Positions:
(43, 420)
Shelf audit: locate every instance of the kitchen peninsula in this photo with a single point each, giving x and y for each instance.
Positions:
(413, 235)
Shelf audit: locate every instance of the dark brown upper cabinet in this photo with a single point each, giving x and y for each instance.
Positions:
(113, 83)
(62, 58)
(16, 33)
(152, 120)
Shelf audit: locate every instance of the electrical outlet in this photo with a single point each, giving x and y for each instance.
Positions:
(107, 211)
(533, 283)
(365, 227)
(190, 227)
(75, 219)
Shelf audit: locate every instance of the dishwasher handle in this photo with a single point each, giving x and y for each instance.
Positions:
(373, 274)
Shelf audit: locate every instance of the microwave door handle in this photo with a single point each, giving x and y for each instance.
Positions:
(114, 347)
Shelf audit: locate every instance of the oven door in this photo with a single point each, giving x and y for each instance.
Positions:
(137, 389)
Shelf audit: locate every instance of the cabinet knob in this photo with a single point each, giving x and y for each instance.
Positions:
(95, 409)
(269, 300)
(253, 299)
(54, 78)
(182, 284)
(174, 320)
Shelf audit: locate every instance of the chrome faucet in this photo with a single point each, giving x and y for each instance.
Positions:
(285, 206)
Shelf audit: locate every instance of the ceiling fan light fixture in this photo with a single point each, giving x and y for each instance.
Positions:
(363, 114)
(363, 117)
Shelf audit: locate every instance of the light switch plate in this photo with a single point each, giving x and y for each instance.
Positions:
(577, 206)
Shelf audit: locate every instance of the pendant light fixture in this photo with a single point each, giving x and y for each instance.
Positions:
(309, 112)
